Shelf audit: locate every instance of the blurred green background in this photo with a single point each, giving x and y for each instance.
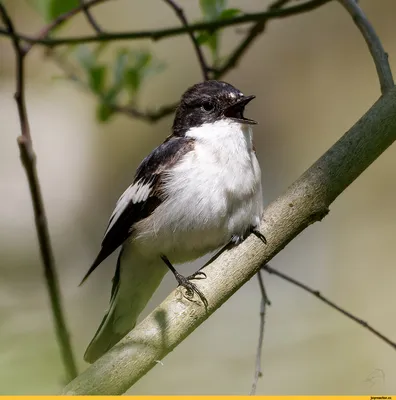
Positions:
(313, 77)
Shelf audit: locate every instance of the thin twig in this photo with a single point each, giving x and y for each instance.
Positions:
(167, 32)
(378, 53)
(163, 111)
(154, 116)
(90, 18)
(201, 58)
(57, 22)
(317, 294)
(244, 45)
(263, 306)
(148, 115)
(28, 159)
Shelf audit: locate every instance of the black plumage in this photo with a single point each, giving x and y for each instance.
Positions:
(151, 171)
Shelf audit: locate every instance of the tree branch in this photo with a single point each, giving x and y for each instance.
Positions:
(201, 58)
(151, 116)
(318, 295)
(56, 23)
(91, 20)
(256, 30)
(378, 53)
(263, 307)
(163, 33)
(165, 110)
(304, 203)
(28, 159)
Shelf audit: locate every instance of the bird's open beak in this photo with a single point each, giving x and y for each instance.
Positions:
(235, 111)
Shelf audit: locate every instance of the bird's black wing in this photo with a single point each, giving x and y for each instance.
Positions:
(143, 196)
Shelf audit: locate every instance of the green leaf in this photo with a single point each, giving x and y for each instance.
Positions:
(230, 13)
(97, 77)
(40, 6)
(212, 9)
(132, 80)
(210, 40)
(121, 63)
(51, 9)
(118, 82)
(129, 70)
(213, 45)
(85, 57)
(202, 38)
(154, 68)
(141, 59)
(103, 112)
(100, 47)
(112, 94)
(58, 7)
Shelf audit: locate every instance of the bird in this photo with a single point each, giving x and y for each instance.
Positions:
(197, 191)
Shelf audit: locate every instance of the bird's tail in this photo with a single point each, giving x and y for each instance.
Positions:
(134, 282)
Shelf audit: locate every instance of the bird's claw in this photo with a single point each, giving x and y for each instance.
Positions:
(190, 287)
(237, 239)
(197, 275)
(259, 235)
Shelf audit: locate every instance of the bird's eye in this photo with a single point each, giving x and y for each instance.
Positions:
(207, 106)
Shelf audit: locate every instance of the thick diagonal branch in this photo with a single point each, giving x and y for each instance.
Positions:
(304, 203)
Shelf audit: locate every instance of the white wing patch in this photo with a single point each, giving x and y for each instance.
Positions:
(136, 193)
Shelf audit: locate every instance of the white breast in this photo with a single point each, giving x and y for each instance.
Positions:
(213, 194)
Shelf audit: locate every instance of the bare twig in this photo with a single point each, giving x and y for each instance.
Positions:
(263, 306)
(318, 295)
(378, 53)
(90, 18)
(201, 58)
(154, 116)
(42, 38)
(163, 111)
(148, 115)
(244, 45)
(57, 22)
(28, 159)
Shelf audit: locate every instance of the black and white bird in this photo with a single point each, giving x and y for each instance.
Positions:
(197, 191)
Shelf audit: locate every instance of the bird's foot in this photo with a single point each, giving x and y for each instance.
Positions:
(237, 239)
(190, 287)
(185, 281)
(259, 235)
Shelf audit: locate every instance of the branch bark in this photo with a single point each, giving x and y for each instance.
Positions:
(304, 203)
